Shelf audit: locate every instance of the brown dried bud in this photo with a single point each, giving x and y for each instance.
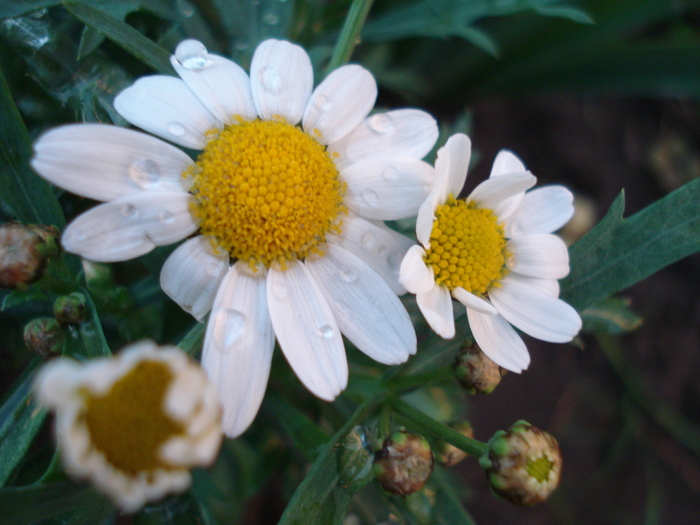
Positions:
(44, 336)
(448, 455)
(70, 309)
(476, 372)
(24, 252)
(404, 463)
(523, 464)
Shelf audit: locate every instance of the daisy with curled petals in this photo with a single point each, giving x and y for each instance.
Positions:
(495, 253)
(286, 200)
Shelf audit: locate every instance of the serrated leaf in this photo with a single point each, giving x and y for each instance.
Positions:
(620, 252)
(611, 316)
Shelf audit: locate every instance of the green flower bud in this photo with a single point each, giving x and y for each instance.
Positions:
(24, 252)
(70, 309)
(476, 372)
(523, 464)
(44, 336)
(448, 455)
(404, 463)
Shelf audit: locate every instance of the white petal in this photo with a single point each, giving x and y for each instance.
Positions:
(506, 162)
(192, 275)
(387, 189)
(130, 227)
(548, 286)
(340, 103)
(238, 346)
(107, 162)
(473, 302)
(380, 247)
(436, 306)
(409, 133)
(281, 79)
(454, 165)
(535, 312)
(414, 274)
(166, 107)
(307, 330)
(541, 255)
(368, 312)
(494, 193)
(498, 340)
(543, 210)
(426, 216)
(221, 85)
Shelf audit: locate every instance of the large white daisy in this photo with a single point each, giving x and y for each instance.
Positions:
(288, 239)
(495, 253)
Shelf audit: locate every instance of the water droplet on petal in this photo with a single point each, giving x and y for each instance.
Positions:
(370, 197)
(271, 18)
(343, 307)
(145, 173)
(368, 239)
(325, 331)
(270, 80)
(394, 260)
(279, 291)
(229, 325)
(191, 54)
(176, 129)
(322, 102)
(348, 275)
(390, 173)
(427, 188)
(130, 211)
(75, 235)
(166, 217)
(381, 123)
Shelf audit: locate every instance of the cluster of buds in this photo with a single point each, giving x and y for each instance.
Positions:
(404, 463)
(24, 253)
(475, 371)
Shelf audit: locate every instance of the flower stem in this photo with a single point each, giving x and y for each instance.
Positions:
(471, 446)
(410, 382)
(349, 36)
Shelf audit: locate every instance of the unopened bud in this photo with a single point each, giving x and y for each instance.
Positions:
(44, 336)
(24, 252)
(523, 464)
(70, 309)
(476, 372)
(449, 455)
(403, 464)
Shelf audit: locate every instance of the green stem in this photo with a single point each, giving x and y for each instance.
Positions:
(192, 342)
(471, 446)
(349, 36)
(408, 382)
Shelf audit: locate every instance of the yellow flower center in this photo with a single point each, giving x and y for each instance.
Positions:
(267, 192)
(467, 247)
(540, 468)
(128, 423)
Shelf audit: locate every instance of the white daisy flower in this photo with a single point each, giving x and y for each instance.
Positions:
(133, 424)
(289, 239)
(494, 252)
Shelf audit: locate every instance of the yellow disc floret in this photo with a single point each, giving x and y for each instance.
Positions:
(128, 424)
(467, 247)
(266, 192)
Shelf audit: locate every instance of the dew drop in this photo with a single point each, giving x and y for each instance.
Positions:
(241, 45)
(279, 291)
(370, 197)
(145, 173)
(381, 123)
(130, 211)
(176, 129)
(390, 173)
(229, 325)
(427, 188)
(271, 18)
(166, 217)
(76, 235)
(191, 54)
(394, 260)
(348, 275)
(270, 80)
(369, 239)
(322, 102)
(343, 307)
(325, 331)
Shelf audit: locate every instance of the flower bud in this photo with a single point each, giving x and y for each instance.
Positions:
(44, 336)
(403, 464)
(523, 464)
(476, 372)
(70, 309)
(24, 252)
(448, 455)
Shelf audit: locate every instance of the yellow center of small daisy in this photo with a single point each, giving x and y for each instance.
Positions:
(540, 468)
(467, 247)
(128, 423)
(267, 192)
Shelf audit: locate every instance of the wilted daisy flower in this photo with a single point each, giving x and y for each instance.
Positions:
(494, 252)
(133, 424)
(289, 240)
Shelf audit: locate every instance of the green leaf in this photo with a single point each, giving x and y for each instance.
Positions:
(18, 297)
(191, 344)
(611, 316)
(355, 459)
(123, 35)
(11, 9)
(448, 509)
(620, 252)
(571, 13)
(20, 420)
(29, 196)
(305, 434)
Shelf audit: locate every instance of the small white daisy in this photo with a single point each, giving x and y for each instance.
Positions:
(290, 240)
(495, 253)
(133, 424)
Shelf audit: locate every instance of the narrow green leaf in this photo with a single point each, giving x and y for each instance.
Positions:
(192, 342)
(20, 420)
(619, 252)
(611, 316)
(305, 434)
(572, 13)
(448, 509)
(28, 196)
(13, 8)
(123, 35)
